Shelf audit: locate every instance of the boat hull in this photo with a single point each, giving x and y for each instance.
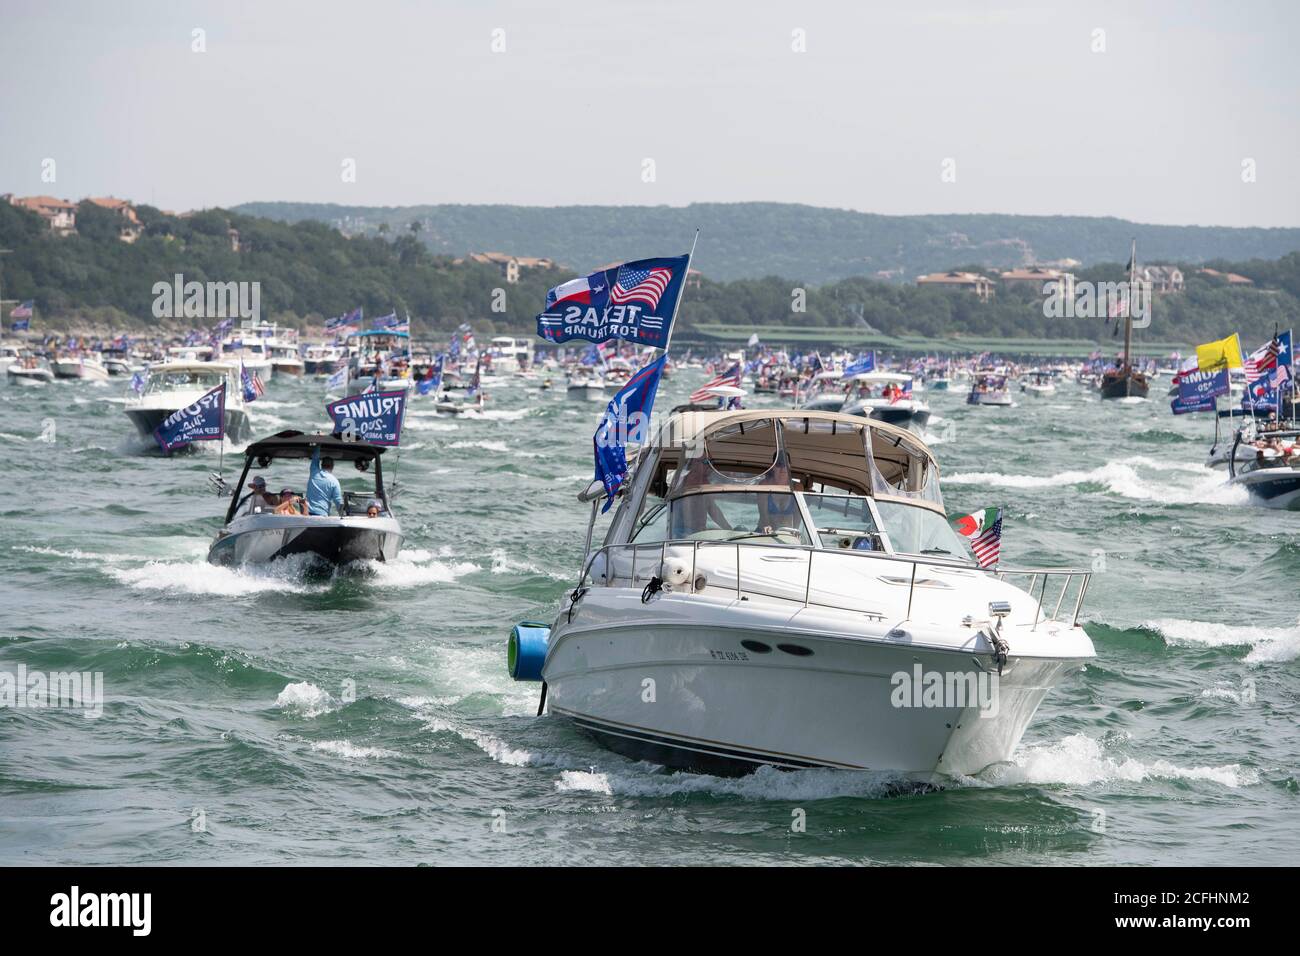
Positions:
(826, 702)
(587, 393)
(1276, 488)
(333, 540)
(74, 368)
(1119, 385)
(146, 420)
(30, 376)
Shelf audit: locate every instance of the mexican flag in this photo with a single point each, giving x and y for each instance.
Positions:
(969, 526)
(984, 531)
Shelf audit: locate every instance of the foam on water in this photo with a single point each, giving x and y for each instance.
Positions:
(305, 699)
(1079, 760)
(1122, 478)
(350, 751)
(1267, 644)
(201, 578)
(766, 783)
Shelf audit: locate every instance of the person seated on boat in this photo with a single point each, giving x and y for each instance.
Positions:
(323, 489)
(258, 499)
(374, 509)
(289, 503)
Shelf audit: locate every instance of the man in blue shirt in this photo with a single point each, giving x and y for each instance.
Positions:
(322, 487)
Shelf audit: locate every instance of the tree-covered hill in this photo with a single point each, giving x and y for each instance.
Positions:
(309, 270)
(805, 243)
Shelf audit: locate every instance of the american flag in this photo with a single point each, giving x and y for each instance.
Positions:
(984, 529)
(252, 382)
(1261, 361)
(23, 311)
(640, 285)
(730, 377)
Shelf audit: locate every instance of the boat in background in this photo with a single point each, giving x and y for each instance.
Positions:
(585, 386)
(170, 386)
(26, 368)
(989, 388)
(255, 532)
(1270, 472)
(322, 359)
(83, 366)
(886, 397)
(1123, 380)
(1038, 382)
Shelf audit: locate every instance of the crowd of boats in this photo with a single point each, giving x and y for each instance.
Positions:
(768, 573)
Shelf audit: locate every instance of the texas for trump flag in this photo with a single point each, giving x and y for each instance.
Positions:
(635, 301)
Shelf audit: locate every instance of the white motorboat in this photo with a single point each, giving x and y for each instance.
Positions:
(886, 397)
(375, 355)
(586, 387)
(1271, 475)
(989, 388)
(322, 359)
(508, 355)
(1038, 383)
(784, 588)
(169, 386)
(249, 349)
(285, 359)
(24, 368)
(88, 368)
(257, 532)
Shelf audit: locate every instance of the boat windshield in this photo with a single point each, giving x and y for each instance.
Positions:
(188, 380)
(762, 517)
(913, 529)
(844, 521)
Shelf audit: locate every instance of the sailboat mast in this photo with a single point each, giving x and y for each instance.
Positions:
(1128, 313)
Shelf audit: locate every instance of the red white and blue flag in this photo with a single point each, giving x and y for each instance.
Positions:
(634, 301)
(731, 377)
(983, 530)
(252, 383)
(640, 285)
(23, 311)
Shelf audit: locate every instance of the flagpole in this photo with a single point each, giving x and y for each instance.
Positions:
(672, 323)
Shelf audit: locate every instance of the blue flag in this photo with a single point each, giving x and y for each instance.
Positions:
(1195, 387)
(205, 420)
(1181, 406)
(431, 382)
(374, 417)
(137, 382)
(865, 363)
(627, 417)
(634, 301)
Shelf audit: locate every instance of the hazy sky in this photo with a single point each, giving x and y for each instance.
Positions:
(1155, 128)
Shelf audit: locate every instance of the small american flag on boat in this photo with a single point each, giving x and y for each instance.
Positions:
(984, 531)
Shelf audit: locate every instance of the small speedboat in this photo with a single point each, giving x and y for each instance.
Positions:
(88, 368)
(585, 387)
(447, 405)
(1037, 383)
(886, 397)
(28, 370)
(1271, 475)
(257, 532)
(322, 359)
(783, 587)
(989, 388)
(170, 386)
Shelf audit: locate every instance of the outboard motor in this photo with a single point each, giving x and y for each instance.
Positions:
(526, 650)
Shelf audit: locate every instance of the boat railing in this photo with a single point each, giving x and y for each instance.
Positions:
(667, 561)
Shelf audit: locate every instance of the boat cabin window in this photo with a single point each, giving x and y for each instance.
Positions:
(761, 517)
(169, 381)
(844, 521)
(916, 530)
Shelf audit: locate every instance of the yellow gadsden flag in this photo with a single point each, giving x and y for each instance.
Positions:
(1225, 353)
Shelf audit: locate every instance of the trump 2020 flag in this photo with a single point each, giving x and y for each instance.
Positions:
(865, 363)
(1195, 388)
(374, 417)
(205, 420)
(634, 301)
(627, 418)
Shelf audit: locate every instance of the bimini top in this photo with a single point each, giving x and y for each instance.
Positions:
(798, 448)
(295, 444)
(868, 378)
